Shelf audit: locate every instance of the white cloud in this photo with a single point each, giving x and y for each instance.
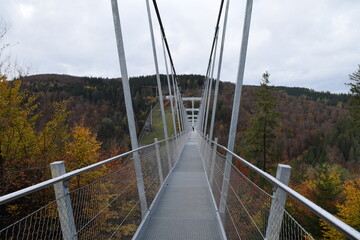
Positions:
(26, 11)
(302, 43)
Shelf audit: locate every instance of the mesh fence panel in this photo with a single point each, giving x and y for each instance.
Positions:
(247, 210)
(164, 160)
(105, 208)
(103, 205)
(246, 203)
(41, 224)
(150, 173)
(216, 183)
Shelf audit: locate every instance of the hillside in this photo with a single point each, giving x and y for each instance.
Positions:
(54, 112)
(312, 123)
(304, 121)
(307, 115)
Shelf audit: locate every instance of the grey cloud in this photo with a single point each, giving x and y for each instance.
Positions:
(302, 43)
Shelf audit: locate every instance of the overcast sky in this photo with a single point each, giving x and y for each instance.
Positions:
(307, 43)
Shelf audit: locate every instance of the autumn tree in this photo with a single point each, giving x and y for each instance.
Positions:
(349, 210)
(82, 150)
(324, 189)
(24, 145)
(17, 129)
(18, 149)
(53, 137)
(260, 135)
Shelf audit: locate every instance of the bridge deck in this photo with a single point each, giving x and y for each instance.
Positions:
(185, 209)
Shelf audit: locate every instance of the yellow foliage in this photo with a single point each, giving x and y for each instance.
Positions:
(128, 230)
(83, 149)
(53, 137)
(17, 120)
(349, 210)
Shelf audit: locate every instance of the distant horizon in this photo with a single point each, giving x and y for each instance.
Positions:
(147, 75)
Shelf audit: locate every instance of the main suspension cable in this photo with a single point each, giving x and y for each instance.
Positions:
(164, 35)
(215, 36)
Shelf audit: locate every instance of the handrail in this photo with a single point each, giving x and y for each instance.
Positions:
(26, 191)
(347, 230)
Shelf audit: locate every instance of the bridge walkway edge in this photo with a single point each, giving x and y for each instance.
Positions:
(184, 209)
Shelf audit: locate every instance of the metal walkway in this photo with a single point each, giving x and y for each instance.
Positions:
(185, 208)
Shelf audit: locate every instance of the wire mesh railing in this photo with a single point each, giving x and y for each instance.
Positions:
(100, 201)
(255, 201)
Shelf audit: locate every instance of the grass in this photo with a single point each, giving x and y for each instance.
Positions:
(157, 130)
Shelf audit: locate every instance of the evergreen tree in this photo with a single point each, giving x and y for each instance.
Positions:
(355, 100)
(345, 139)
(260, 135)
(137, 101)
(353, 153)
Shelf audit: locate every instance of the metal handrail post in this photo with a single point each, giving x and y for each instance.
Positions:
(174, 147)
(177, 144)
(212, 124)
(236, 106)
(158, 159)
(206, 147)
(129, 107)
(278, 204)
(203, 147)
(213, 158)
(63, 202)
(208, 152)
(161, 100)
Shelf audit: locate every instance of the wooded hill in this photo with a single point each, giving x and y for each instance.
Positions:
(314, 133)
(313, 127)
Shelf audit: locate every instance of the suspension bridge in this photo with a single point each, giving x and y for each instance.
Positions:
(186, 186)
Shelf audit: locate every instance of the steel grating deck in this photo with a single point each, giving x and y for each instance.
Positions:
(185, 209)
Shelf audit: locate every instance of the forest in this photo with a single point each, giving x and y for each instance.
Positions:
(81, 120)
